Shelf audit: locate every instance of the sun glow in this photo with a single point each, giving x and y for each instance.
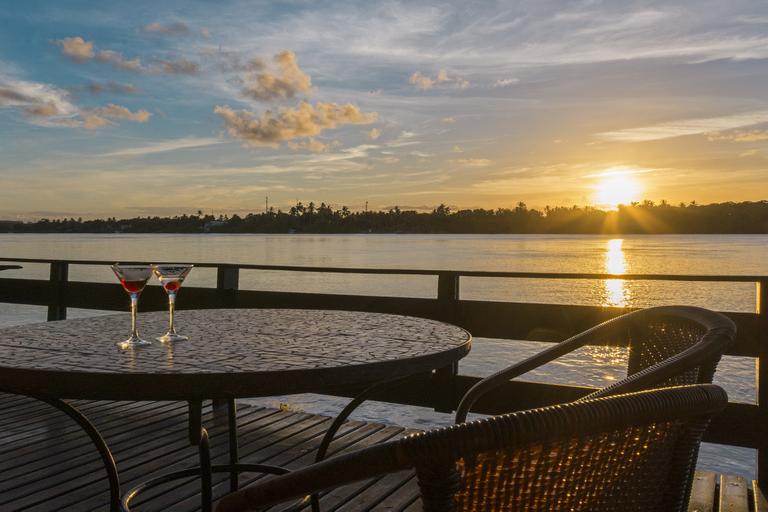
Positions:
(616, 186)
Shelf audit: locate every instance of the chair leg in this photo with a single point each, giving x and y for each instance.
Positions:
(195, 421)
(206, 480)
(233, 455)
(106, 455)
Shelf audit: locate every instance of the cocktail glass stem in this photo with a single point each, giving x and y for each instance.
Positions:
(134, 316)
(171, 308)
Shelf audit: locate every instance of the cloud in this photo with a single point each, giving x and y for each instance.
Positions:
(685, 127)
(118, 112)
(374, 134)
(180, 66)
(100, 117)
(740, 136)
(48, 109)
(425, 82)
(174, 29)
(94, 121)
(473, 162)
(96, 88)
(170, 29)
(81, 51)
(163, 146)
(457, 149)
(310, 145)
(306, 120)
(283, 80)
(448, 120)
(421, 81)
(505, 82)
(76, 48)
(120, 62)
(43, 104)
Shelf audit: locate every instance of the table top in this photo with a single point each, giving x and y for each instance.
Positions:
(230, 353)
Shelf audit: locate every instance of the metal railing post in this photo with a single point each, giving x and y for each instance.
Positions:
(762, 384)
(448, 295)
(59, 275)
(444, 378)
(227, 283)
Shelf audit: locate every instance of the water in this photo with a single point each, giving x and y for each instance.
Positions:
(668, 254)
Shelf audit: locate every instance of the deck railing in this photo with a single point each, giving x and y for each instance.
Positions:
(741, 424)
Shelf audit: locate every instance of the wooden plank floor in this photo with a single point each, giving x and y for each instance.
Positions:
(48, 464)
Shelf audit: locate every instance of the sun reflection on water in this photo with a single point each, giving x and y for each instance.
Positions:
(616, 291)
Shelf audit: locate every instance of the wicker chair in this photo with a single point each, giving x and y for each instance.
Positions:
(631, 452)
(668, 345)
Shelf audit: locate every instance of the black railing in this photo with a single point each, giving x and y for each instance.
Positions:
(741, 424)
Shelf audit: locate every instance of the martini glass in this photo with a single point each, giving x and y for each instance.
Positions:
(171, 277)
(133, 278)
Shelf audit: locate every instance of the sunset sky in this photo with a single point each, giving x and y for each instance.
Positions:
(139, 108)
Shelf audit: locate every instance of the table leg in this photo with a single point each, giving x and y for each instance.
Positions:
(195, 421)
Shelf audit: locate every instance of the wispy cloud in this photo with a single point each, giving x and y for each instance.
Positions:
(740, 136)
(180, 66)
(505, 82)
(684, 127)
(42, 104)
(473, 162)
(164, 146)
(46, 105)
(426, 82)
(169, 29)
(96, 88)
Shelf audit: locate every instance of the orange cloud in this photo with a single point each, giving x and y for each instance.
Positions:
(306, 120)
(76, 48)
(116, 111)
(425, 82)
(284, 81)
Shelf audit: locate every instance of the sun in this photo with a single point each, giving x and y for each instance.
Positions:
(615, 188)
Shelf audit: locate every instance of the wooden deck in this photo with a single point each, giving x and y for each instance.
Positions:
(48, 464)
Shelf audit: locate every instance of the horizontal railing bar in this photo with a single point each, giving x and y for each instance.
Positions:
(507, 320)
(432, 272)
(518, 395)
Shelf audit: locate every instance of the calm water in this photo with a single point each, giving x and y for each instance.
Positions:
(671, 254)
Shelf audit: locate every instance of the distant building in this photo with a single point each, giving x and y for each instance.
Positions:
(212, 224)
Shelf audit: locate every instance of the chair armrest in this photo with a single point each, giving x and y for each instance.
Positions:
(356, 402)
(531, 363)
(339, 470)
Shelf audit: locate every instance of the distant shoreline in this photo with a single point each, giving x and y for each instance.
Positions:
(639, 218)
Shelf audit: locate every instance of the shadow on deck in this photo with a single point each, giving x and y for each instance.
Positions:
(48, 464)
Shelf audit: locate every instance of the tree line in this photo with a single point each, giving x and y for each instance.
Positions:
(646, 217)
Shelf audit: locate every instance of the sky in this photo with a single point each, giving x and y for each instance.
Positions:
(165, 108)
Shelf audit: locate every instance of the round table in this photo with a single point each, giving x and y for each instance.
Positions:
(230, 353)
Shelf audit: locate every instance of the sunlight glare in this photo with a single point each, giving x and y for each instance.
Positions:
(616, 292)
(615, 188)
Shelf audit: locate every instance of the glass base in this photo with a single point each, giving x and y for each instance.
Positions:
(171, 337)
(133, 341)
